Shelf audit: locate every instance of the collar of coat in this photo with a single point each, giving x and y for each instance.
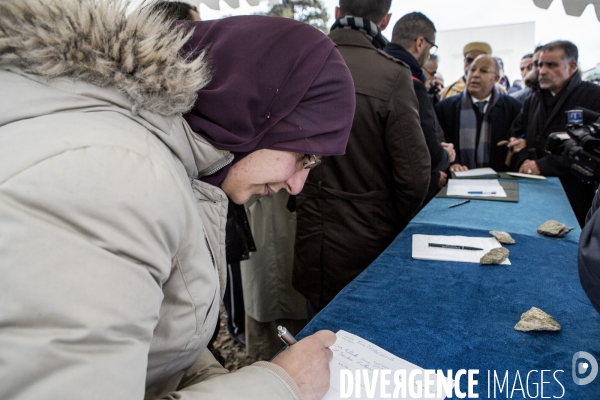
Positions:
(103, 43)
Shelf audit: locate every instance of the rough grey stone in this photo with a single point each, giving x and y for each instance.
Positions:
(536, 320)
(553, 228)
(503, 237)
(495, 256)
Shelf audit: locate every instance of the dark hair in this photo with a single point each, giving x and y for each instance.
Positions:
(410, 27)
(528, 55)
(539, 48)
(570, 50)
(174, 10)
(373, 10)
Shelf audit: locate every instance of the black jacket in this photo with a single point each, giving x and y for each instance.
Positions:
(537, 122)
(589, 255)
(500, 118)
(439, 157)
(353, 206)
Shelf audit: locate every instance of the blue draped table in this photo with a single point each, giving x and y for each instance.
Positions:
(450, 315)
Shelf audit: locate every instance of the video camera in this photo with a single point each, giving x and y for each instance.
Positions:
(580, 144)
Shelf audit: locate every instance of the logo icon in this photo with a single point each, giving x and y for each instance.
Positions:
(581, 367)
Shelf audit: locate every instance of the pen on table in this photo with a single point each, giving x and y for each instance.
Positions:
(480, 192)
(459, 204)
(285, 336)
(453, 246)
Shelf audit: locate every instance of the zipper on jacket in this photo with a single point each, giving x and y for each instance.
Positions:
(216, 166)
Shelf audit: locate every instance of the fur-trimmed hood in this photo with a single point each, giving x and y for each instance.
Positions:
(103, 42)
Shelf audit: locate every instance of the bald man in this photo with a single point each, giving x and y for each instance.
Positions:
(477, 119)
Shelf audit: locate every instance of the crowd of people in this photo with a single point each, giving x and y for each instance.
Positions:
(153, 165)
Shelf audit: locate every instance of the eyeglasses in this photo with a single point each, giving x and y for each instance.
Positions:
(312, 162)
(433, 48)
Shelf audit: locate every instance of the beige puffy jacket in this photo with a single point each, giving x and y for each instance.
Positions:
(111, 251)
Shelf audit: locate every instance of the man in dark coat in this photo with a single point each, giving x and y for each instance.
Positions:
(477, 119)
(353, 206)
(545, 112)
(414, 52)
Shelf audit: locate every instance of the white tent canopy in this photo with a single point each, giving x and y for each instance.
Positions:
(214, 4)
(572, 7)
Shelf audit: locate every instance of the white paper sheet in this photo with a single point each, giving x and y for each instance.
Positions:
(422, 251)
(351, 352)
(475, 172)
(487, 187)
(527, 176)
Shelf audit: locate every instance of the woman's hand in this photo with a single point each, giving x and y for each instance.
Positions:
(307, 362)
(458, 168)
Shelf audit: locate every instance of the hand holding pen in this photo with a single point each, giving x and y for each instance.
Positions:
(307, 362)
(517, 144)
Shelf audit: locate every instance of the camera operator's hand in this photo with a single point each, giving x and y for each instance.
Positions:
(449, 147)
(458, 168)
(307, 362)
(516, 144)
(529, 167)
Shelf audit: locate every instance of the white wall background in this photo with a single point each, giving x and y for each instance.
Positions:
(509, 42)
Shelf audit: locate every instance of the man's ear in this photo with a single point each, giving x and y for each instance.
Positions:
(337, 12)
(418, 44)
(385, 21)
(497, 79)
(572, 67)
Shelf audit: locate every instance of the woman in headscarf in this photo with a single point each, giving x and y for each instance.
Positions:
(112, 209)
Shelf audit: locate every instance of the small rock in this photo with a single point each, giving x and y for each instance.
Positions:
(503, 237)
(553, 228)
(495, 256)
(536, 320)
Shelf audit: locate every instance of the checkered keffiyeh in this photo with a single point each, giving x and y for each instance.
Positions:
(369, 28)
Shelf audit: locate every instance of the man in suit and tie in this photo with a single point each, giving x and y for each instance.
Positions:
(477, 119)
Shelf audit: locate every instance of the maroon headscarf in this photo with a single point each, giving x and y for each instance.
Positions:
(277, 84)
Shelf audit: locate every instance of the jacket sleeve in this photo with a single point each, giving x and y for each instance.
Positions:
(517, 129)
(446, 125)
(407, 148)
(91, 242)
(208, 380)
(438, 155)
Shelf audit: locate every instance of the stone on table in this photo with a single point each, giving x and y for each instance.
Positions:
(553, 228)
(503, 237)
(536, 320)
(495, 256)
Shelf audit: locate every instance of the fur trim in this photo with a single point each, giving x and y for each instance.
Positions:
(103, 42)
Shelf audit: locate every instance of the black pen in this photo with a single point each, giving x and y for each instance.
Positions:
(285, 336)
(459, 204)
(453, 246)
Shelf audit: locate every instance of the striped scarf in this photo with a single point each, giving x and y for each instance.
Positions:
(371, 31)
(468, 143)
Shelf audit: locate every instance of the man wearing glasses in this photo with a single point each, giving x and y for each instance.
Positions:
(413, 42)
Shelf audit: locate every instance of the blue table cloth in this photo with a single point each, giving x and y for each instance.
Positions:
(450, 315)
